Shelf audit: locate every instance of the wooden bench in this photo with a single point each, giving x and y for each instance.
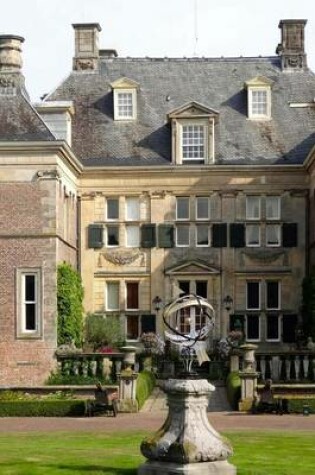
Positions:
(283, 393)
(101, 404)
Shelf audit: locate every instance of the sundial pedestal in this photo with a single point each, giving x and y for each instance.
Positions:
(187, 444)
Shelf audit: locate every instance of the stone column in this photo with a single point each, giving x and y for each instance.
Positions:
(248, 377)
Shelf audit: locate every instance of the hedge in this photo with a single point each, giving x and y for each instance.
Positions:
(145, 386)
(42, 408)
(296, 405)
(233, 388)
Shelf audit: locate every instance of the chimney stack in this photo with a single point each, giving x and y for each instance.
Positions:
(291, 48)
(86, 56)
(10, 63)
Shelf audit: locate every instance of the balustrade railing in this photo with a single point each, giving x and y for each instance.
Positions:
(105, 365)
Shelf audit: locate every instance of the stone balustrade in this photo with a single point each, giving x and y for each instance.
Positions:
(107, 365)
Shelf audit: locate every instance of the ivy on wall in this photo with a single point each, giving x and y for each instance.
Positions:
(69, 304)
(309, 305)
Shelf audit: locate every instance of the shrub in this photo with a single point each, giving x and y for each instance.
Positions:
(69, 305)
(57, 378)
(145, 386)
(233, 387)
(42, 408)
(296, 405)
(102, 331)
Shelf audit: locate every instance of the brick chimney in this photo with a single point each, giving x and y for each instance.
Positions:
(86, 54)
(11, 76)
(291, 48)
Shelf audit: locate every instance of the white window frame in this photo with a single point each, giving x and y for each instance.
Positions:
(208, 208)
(253, 309)
(194, 123)
(247, 233)
(278, 215)
(22, 331)
(133, 93)
(111, 219)
(176, 233)
(136, 228)
(115, 283)
(279, 295)
(178, 198)
(130, 199)
(279, 327)
(254, 115)
(253, 218)
(278, 233)
(259, 327)
(196, 235)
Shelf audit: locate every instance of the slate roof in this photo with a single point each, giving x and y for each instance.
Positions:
(20, 122)
(216, 83)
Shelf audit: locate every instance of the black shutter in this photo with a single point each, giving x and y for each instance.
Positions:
(95, 236)
(166, 235)
(148, 323)
(148, 235)
(237, 235)
(219, 235)
(289, 235)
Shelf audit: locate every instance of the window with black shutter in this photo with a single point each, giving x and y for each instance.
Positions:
(95, 236)
(219, 235)
(148, 235)
(237, 235)
(289, 235)
(148, 323)
(166, 235)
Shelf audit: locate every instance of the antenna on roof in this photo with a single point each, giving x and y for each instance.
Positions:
(195, 27)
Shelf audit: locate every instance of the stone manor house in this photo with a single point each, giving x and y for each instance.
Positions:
(152, 175)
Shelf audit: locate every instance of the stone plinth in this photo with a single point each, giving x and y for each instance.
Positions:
(187, 443)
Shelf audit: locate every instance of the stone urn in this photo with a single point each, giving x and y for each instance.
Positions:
(186, 443)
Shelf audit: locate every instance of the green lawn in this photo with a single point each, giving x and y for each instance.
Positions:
(68, 453)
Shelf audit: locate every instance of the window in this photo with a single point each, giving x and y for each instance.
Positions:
(191, 319)
(259, 98)
(252, 235)
(272, 207)
(182, 208)
(132, 209)
(259, 102)
(112, 296)
(273, 235)
(112, 236)
(132, 297)
(193, 142)
(132, 236)
(273, 295)
(202, 288)
(202, 235)
(182, 235)
(252, 327)
(125, 105)
(29, 298)
(273, 328)
(125, 99)
(253, 295)
(132, 327)
(112, 209)
(202, 208)
(253, 207)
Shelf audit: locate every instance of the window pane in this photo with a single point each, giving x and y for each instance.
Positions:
(30, 288)
(133, 236)
(253, 297)
(30, 316)
(182, 235)
(252, 327)
(112, 208)
(253, 235)
(112, 235)
(193, 141)
(132, 209)
(182, 208)
(273, 207)
(273, 235)
(273, 327)
(202, 235)
(185, 321)
(201, 288)
(184, 285)
(259, 102)
(253, 207)
(125, 106)
(132, 295)
(132, 327)
(112, 296)
(202, 209)
(272, 295)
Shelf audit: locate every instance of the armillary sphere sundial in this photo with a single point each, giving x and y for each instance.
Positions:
(187, 444)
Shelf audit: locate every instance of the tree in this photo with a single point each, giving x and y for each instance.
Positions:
(69, 305)
(102, 330)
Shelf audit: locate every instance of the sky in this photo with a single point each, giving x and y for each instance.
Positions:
(173, 28)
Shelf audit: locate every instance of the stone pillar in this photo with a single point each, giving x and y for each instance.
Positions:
(248, 377)
(186, 444)
(234, 361)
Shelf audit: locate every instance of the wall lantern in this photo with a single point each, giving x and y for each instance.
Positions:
(157, 302)
(228, 302)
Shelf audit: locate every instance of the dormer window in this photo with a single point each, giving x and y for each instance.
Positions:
(193, 134)
(125, 99)
(259, 98)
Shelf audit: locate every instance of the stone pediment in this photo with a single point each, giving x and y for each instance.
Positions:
(259, 81)
(192, 109)
(192, 268)
(124, 83)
